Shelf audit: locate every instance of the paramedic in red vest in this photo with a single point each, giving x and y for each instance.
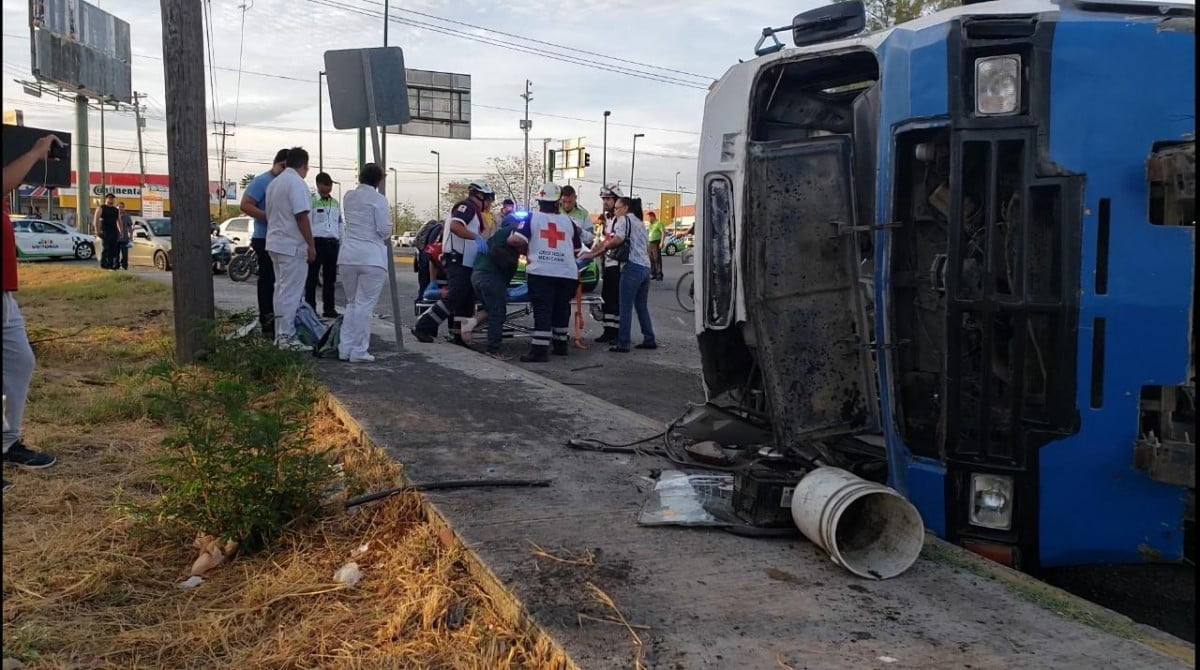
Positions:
(462, 240)
(18, 355)
(610, 283)
(551, 272)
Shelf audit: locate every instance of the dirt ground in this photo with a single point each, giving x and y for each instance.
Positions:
(84, 588)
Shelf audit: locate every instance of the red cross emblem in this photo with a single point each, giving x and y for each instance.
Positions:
(552, 235)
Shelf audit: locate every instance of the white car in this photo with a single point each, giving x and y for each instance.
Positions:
(238, 229)
(406, 239)
(38, 238)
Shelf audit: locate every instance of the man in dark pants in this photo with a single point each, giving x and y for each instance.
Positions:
(610, 286)
(327, 233)
(254, 203)
(107, 220)
(126, 225)
(552, 273)
(462, 240)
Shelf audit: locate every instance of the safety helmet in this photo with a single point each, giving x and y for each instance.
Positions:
(549, 192)
(610, 191)
(482, 188)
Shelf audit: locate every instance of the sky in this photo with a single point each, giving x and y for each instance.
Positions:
(287, 39)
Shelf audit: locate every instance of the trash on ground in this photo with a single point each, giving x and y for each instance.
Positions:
(348, 574)
(888, 659)
(243, 330)
(212, 553)
(680, 499)
(360, 550)
(191, 582)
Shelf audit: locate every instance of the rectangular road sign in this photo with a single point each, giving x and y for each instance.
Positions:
(359, 77)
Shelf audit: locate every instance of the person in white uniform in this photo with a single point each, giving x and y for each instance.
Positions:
(362, 261)
(290, 243)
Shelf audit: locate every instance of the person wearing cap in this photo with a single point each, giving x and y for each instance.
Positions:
(254, 205)
(462, 240)
(507, 208)
(610, 278)
(552, 272)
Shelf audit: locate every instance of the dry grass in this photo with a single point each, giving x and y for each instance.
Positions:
(83, 589)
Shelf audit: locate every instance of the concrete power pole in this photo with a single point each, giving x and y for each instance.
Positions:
(141, 124)
(527, 125)
(187, 163)
(221, 184)
(83, 218)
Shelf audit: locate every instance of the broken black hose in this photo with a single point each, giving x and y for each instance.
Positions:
(450, 484)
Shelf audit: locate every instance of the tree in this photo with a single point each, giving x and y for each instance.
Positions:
(507, 177)
(247, 178)
(405, 219)
(886, 13)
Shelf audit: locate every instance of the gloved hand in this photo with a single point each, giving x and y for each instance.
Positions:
(481, 245)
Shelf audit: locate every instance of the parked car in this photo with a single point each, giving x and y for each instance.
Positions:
(238, 229)
(38, 238)
(151, 242)
(407, 239)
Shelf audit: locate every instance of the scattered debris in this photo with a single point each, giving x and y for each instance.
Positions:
(606, 600)
(783, 576)
(587, 367)
(243, 330)
(587, 559)
(456, 614)
(191, 582)
(348, 574)
(888, 659)
(360, 550)
(212, 553)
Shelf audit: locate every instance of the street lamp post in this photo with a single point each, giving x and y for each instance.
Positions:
(676, 183)
(320, 122)
(633, 161)
(604, 157)
(437, 194)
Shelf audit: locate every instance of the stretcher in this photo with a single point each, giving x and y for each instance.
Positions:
(518, 322)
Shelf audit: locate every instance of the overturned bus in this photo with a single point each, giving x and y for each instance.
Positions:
(961, 251)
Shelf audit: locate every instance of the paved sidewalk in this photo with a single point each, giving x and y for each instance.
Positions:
(699, 599)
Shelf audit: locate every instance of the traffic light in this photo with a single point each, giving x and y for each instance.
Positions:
(587, 160)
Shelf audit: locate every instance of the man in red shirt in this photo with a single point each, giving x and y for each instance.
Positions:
(18, 355)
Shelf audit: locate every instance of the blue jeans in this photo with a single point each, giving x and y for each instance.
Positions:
(492, 291)
(635, 293)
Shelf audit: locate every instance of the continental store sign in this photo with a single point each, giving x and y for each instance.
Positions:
(131, 196)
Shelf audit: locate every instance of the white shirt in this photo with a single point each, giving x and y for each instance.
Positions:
(287, 196)
(368, 225)
(552, 241)
(467, 214)
(631, 228)
(326, 217)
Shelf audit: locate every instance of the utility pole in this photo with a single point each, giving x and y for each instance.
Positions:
(83, 219)
(633, 161)
(320, 122)
(103, 163)
(183, 75)
(221, 167)
(604, 157)
(387, 18)
(546, 159)
(141, 123)
(527, 125)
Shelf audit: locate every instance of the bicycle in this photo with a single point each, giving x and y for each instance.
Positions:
(686, 298)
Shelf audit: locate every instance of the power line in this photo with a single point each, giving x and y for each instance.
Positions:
(662, 79)
(543, 42)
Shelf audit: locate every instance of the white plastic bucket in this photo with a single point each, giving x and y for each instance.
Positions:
(867, 528)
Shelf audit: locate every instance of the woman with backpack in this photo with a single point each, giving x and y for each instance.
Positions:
(362, 261)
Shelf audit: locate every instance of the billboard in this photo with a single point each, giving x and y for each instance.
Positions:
(81, 48)
(439, 103)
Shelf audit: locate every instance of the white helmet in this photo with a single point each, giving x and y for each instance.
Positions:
(610, 191)
(549, 192)
(482, 187)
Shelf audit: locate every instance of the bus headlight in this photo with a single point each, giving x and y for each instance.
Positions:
(991, 501)
(998, 85)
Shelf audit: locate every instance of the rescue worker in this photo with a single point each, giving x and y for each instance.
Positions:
(551, 272)
(462, 240)
(568, 204)
(327, 225)
(610, 281)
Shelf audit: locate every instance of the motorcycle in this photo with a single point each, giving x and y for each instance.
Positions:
(243, 265)
(222, 253)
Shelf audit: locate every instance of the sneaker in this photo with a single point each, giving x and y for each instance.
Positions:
(22, 456)
(466, 326)
(362, 358)
(343, 357)
(619, 350)
(422, 336)
(7, 485)
(291, 344)
(646, 345)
